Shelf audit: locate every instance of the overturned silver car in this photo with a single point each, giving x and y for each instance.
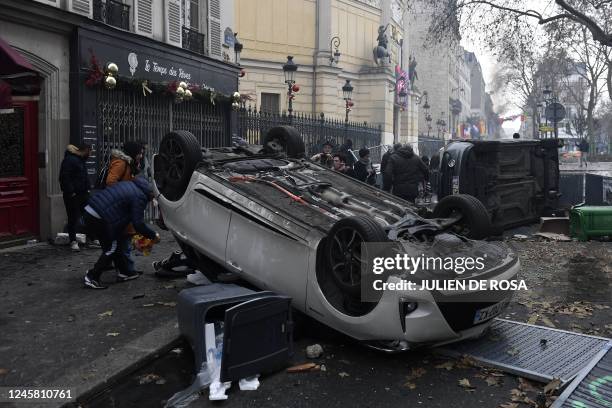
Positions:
(288, 225)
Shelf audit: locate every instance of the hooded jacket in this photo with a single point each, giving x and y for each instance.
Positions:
(120, 169)
(404, 172)
(124, 203)
(73, 173)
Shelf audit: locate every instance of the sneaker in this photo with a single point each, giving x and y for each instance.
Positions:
(74, 246)
(94, 244)
(124, 277)
(91, 283)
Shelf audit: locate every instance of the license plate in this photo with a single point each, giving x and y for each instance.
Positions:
(490, 312)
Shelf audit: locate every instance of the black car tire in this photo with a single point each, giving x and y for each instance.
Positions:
(284, 139)
(475, 221)
(179, 154)
(344, 240)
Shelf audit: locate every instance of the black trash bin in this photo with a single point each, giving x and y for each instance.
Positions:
(257, 327)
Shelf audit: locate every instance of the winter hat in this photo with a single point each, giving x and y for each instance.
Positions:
(363, 152)
(132, 149)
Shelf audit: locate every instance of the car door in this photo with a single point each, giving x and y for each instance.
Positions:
(266, 254)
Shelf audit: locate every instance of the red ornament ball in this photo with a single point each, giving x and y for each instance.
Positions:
(242, 73)
(296, 88)
(351, 104)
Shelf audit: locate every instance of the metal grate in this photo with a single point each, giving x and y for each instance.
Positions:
(592, 388)
(534, 352)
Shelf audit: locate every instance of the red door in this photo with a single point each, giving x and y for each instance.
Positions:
(18, 171)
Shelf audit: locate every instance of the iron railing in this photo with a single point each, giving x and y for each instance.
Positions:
(428, 146)
(194, 40)
(112, 12)
(253, 124)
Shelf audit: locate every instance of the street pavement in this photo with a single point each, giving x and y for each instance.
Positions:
(106, 343)
(57, 333)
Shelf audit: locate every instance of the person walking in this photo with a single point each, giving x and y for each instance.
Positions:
(363, 168)
(346, 149)
(124, 166)
(107, 214)
(324, 158)
(74, 184)
(404, 172)
(145, 165)
(583, 146)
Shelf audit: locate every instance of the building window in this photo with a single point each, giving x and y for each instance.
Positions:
(270, 102)
(112, 12)
(193, 39)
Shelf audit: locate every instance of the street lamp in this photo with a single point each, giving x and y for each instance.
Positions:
(402, 96)
(335, 57)
(237, 48)
(289, 70)
(347, 92)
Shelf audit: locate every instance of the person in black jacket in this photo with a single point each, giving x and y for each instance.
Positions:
(75, 187)
(107, 214)
(385, 158)
(345, 149)
(404, 172)
(340, 166)
(363, 168)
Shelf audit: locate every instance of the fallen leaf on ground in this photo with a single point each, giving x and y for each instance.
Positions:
(108, 313)
(416, 373)
(525, 385)
(490, 380)
(169, 304)
(148, 305)
(301, 367)
(410, 386)
(343, 374)
(465, 383)
(512, 352)
(4, 371)
(466, 362)
(449, 365)
(509, 405)
(547, 322)
(113, 334)
(516, 395)
(533, 319)
(151, 378)
(552, 386)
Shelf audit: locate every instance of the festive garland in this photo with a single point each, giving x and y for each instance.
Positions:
(179, 90)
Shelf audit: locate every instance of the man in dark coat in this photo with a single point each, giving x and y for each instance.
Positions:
(385, 158)
(75, 187)
(583, 146)
(404, 172)
(363, 168)
(106, 215)
(345, 149)
(340, 165)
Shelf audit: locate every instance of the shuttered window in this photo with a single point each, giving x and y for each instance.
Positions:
(214, 27)
(81, 7)
(270, 102)
(173, 22)
(144, 16)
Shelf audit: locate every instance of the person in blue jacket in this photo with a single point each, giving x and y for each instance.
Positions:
(75, 187)
(107, 214)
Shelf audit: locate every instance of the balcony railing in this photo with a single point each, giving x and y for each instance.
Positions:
(112, 12)
(194, 41)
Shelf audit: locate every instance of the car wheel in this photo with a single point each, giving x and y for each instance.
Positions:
(179, 154)
(284, 139)
(344, 252)
(474, 221)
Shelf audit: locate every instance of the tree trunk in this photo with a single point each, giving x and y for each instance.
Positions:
(609, 78)
(534, 116)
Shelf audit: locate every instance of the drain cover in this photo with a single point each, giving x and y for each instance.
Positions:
(535, 352)
(592, 387)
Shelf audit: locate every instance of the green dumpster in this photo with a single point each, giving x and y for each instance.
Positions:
(590, 221)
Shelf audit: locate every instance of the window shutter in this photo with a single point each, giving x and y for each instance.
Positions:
(143, 17)
(54, 3)
(214, 28)
(173, 22)
(81, 7)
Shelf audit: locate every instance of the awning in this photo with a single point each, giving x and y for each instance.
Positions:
(17, 71)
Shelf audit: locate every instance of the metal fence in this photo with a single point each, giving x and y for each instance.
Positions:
(253, 124)
(428, 146)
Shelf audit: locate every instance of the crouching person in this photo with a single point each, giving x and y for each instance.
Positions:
(106, 215)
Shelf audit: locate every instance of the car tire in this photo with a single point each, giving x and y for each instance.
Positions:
(344, 240)
(475, 223)
(285, 139)
(179, 154)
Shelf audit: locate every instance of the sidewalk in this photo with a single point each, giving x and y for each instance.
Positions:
(55, 333)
